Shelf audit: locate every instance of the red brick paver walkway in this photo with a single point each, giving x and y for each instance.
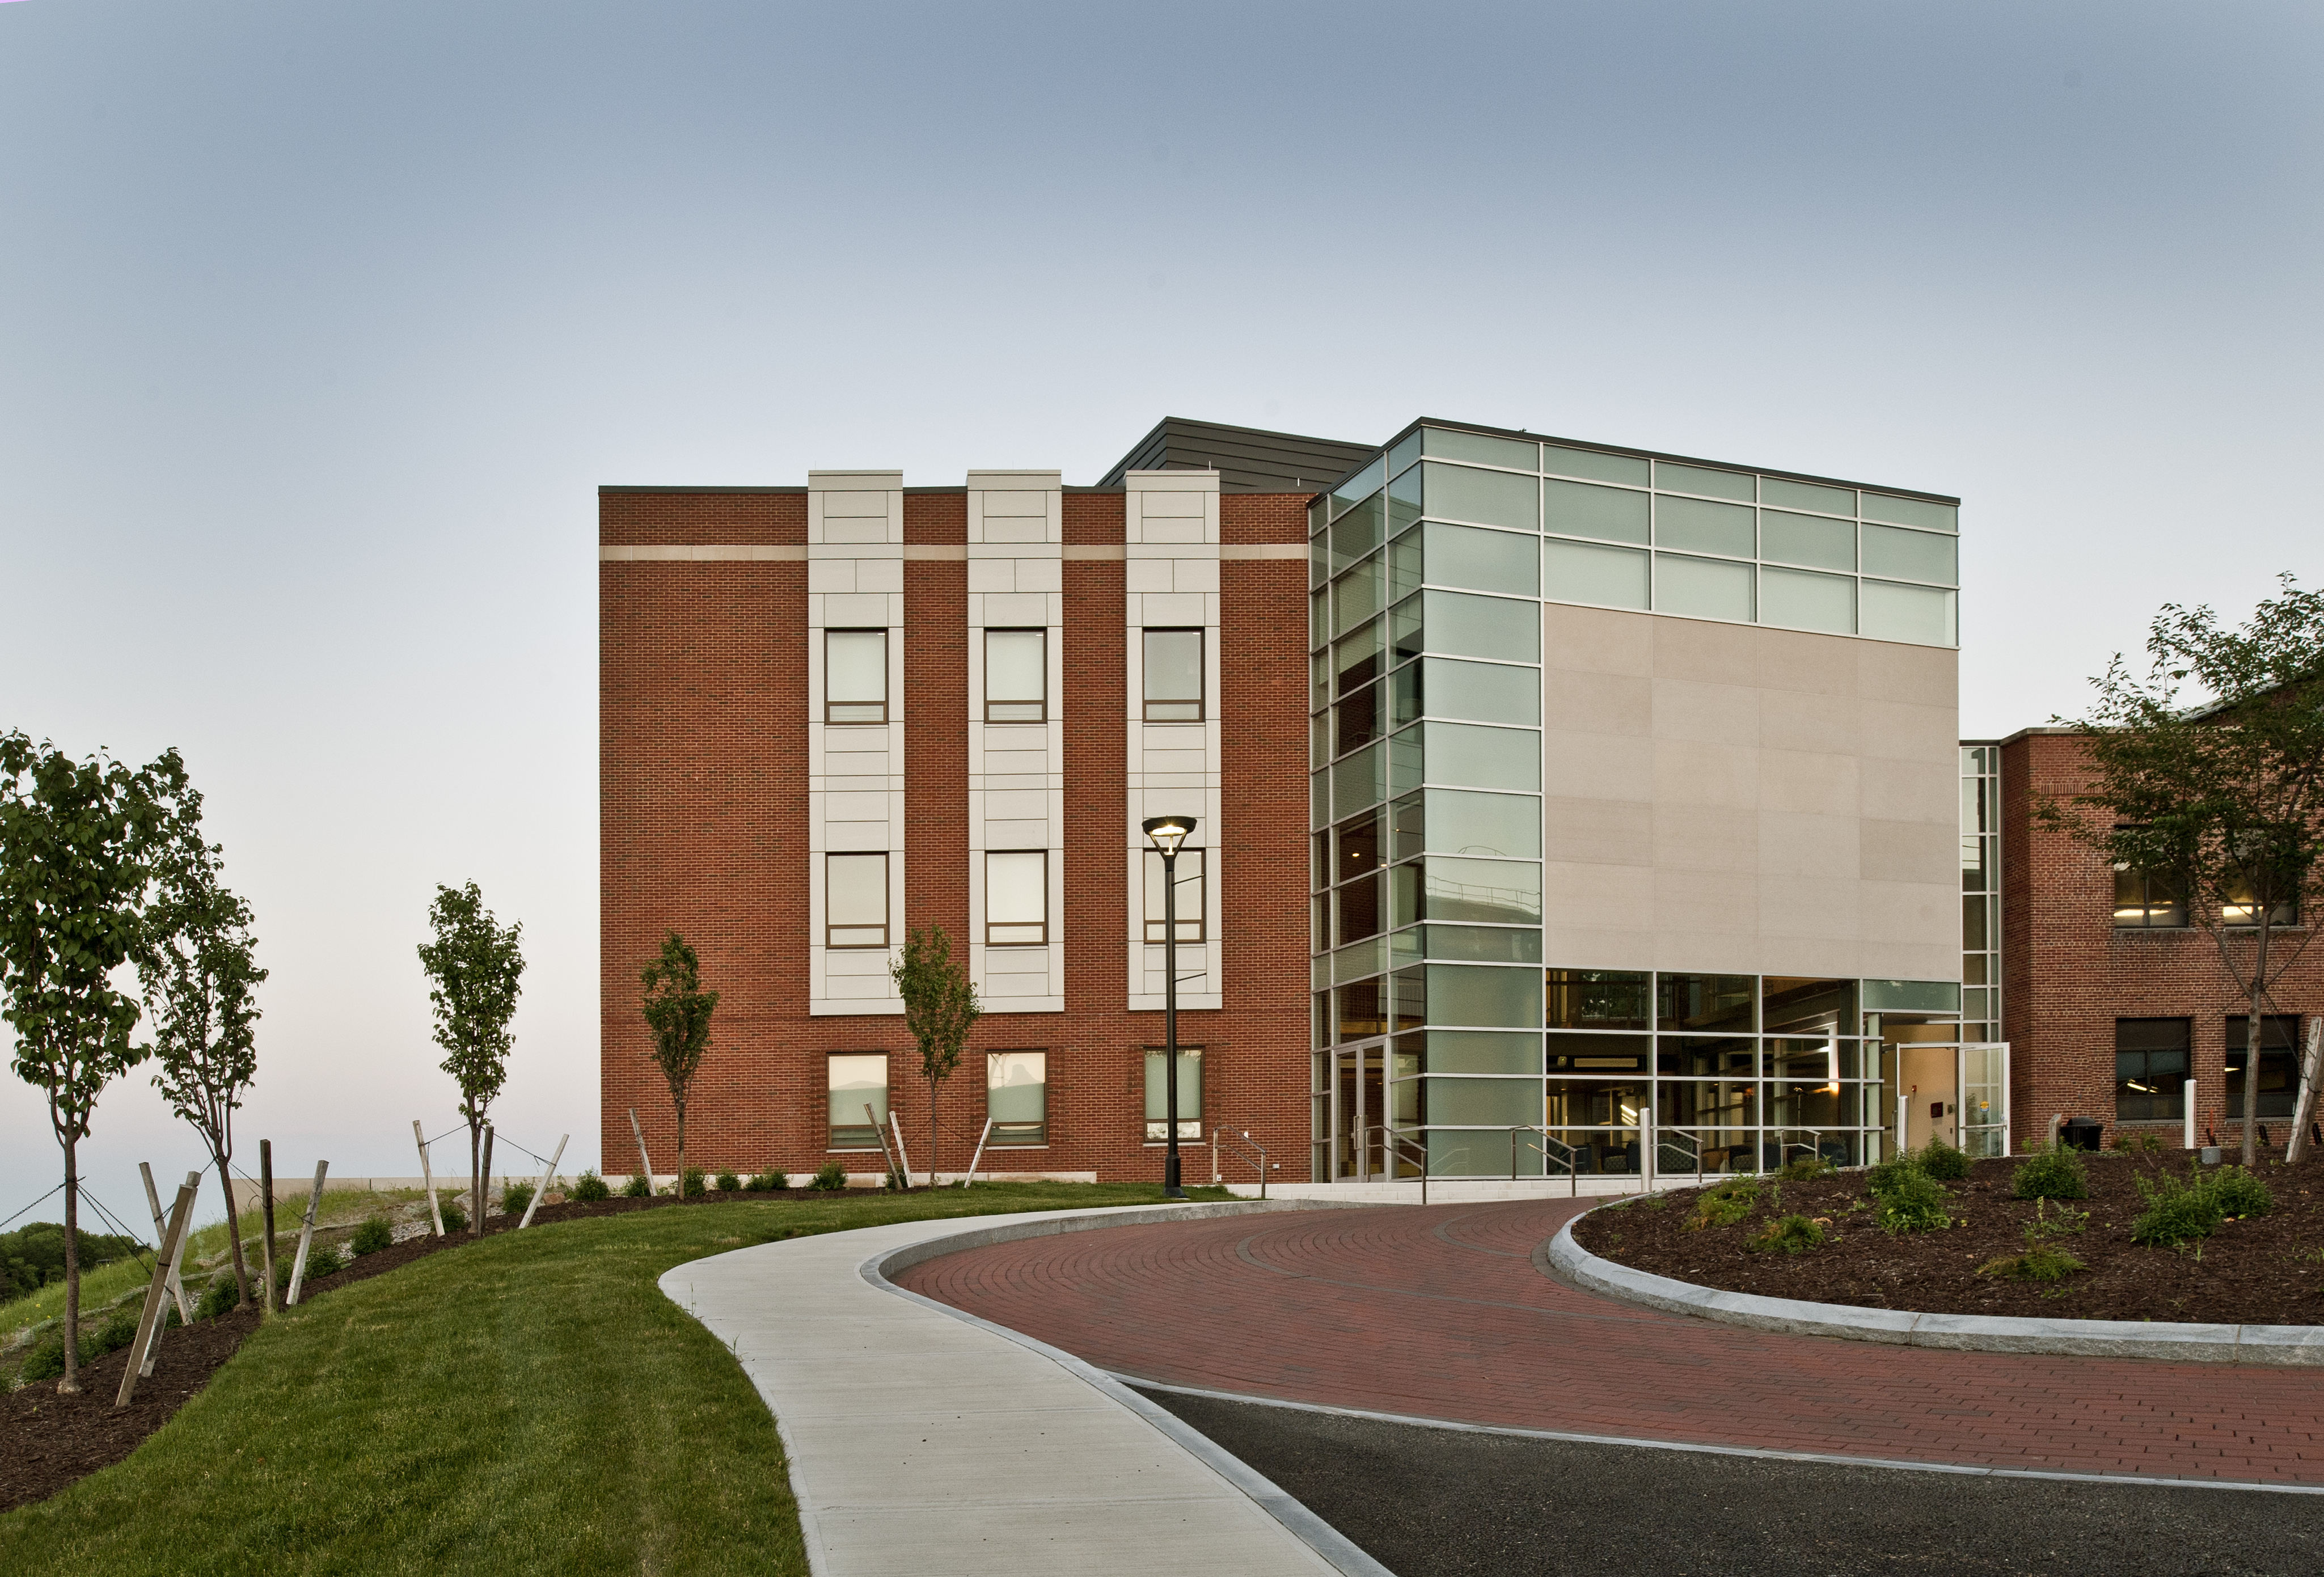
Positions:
(1440, 1312)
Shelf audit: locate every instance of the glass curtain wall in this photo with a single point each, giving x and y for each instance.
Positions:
(1980, 845)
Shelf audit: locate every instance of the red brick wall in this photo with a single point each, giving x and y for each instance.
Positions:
(704, 828)
(2067, 974)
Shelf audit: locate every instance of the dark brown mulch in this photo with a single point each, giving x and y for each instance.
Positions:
(2249, 1271)
(48, 1441)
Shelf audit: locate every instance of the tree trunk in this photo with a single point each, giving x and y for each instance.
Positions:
(70, 1385)
(932, 1137)
(2252, 1038)
(681, 1150)
(233, 1234)
(475, 1176)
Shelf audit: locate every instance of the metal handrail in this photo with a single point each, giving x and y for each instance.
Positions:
(1573, 1153)
(1250, 1143)
(1392, 1137)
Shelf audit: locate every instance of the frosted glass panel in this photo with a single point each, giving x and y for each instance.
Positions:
(1576, 572)
(1831, 501)
(1797, 600)
(1910, 554)
(1576, 509)
(1738, 485)
(1906, 612)
(1593, 464)
(1701, 588)
(1481, 692)
(1501, 826)
(1016, 897)
(1356, 596)
(1486, 758)
(1694, 526)
(1475, 445)
(1494, 561)
(1471, 993)
(1493, 498)
(1805, 539)
(1485, 891)
(1911, 511)
(1488, 627)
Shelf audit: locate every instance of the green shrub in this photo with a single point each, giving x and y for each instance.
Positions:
(515, 1197)
(456, 1220)
(2051, 1174)
(591, 1188)
(831, 1174)
(769, 1182)
(1883, 1176)
(1807, 1169)
(1943, 1162)
(694, 1189)
(2239, 1192)
(221, 1296)
(2038, 1263)
(372, 1236)
(1789, 1234)
(322, 1260)
(639, 1186)
(1722, 1204)
(729, 1184)
(2176, 1211)
(46, 1360)
(1913, 1202)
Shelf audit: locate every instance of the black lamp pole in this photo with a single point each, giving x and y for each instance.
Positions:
(1167, 833)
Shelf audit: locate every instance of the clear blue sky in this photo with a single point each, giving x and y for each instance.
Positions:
(319, 326)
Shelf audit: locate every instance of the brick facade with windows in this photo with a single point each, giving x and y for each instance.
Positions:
(703, 711)
(2070, 973)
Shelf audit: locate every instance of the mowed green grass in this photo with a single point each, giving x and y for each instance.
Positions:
(531, 1403)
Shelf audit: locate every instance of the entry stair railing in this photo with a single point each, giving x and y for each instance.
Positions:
(1392, 1141)
(1245, 1141)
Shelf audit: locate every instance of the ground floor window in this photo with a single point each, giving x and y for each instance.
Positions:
(1190, 1093)
(858, 1080)
(2279, 1063)
(2151, 1059)
(1017, 1097)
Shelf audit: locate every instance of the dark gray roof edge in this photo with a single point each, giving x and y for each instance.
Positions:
(1544, 438)
(617, 488)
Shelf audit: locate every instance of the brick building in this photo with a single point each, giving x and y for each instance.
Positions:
(1560, 807)
(2113, 1001)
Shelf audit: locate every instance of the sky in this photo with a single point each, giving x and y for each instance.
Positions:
(319, 325)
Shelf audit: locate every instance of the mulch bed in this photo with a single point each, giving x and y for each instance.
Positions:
(48, 1441)
(2249, 1271)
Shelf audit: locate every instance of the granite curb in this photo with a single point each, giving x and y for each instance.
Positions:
(2278, 1346)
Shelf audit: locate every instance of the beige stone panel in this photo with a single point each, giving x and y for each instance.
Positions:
(1904, 960)
(1920, 914)
(1597, 766)
(1590, 703)
(1820, 908)
(1599, 641)
(1796, 843)
(1706, 837)
(1901, 731)
(1718, 654)
(1798, 780)
(1579, 897)
(1599, 949)
(1908, 851)
(1599, 832)
(1710, 714)
(1794, 659)
(1706, 902)
(1925, 676)
(1911, 792)
(1689, 773)
(1705, 952)
(1811, 958)
(1800, 720)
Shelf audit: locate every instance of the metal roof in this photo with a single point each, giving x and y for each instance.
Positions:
(1248, 459)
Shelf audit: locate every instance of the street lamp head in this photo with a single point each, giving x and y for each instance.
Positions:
(1167, 832)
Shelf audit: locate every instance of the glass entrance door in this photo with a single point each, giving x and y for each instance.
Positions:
(1984, 1098)
(1359, 1108)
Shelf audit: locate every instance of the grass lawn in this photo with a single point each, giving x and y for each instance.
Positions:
(531, 1403)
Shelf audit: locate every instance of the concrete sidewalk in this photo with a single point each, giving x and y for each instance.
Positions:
(921, 1440)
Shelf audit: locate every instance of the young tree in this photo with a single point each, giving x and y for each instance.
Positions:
(75, 841)
(940, 1006)
(197, 963)
(678, 1011)
(475, 962)
(2209, 772)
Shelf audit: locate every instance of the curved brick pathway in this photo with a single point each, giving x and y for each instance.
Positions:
(1439, 1313)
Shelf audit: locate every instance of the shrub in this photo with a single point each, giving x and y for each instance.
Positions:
(2239, 1192)
(1807, 1169)
(2038, 1263)
(1789, 1234)
(372, 1236)
(2176, 1211)
(639, 1186)
(591, 1188)
(1943, 1162)
(1913, 1202)
(2051, 1174)
(456, 1220)
(1723, 1204)
(1883, 1176)
(729, 1184)
(515, 1197)
(219, 1298)
(322, 1260)
(831, 1174)
(694, 1183)
(772, 1182)
(46, 1360)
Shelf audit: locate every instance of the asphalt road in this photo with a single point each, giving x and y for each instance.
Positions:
(1436, 1503)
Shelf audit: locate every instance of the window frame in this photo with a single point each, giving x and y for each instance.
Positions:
(1200, 700)
(885, 916)
(1000, 1139)
(1152, 927)
(2177, 1095)
(991, 924)
(832, 1130)
(2148, 906)
(881, 631)
(2233, 1075)
(1039, 704)
(1157, 1129)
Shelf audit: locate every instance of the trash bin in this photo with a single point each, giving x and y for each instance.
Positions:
(2081, 1134)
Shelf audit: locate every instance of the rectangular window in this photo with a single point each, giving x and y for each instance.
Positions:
(1173, 667)
(2279, 1063)
(855, 901)
(1189, 896)
(2242, 906)
(2151, 1058)
(855, 676)
(1190, 1094)
(1017, 1097)
(2144, 899)
(1017, 899)
(857, 1080)
(1015, 675)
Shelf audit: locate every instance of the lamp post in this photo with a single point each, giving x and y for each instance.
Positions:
(1166, 833)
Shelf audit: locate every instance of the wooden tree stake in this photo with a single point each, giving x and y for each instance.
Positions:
(266, 1208)
(546, 1174)
(177, 1287)
(155, 1294)
(428, 1177)
(643, 1159)
(306, 1236)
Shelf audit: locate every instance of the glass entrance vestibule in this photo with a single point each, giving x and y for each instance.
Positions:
(1647, 1075)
